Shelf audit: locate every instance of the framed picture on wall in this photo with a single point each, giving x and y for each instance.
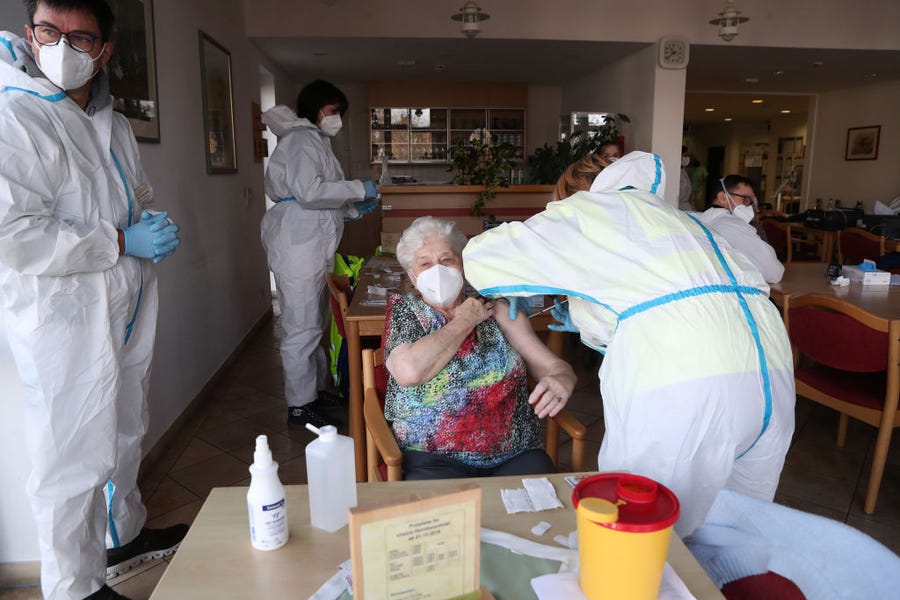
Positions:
(218, 107)
(862, 143)
(132, 68)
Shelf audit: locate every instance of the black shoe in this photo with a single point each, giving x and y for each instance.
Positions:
(150, 544)
(106, 593)
(301, 415)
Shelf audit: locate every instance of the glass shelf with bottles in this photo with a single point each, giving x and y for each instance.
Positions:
(413, 135)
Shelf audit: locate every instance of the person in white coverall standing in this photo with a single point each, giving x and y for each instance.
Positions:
(697, 379)
(78, 293)
(301, 233)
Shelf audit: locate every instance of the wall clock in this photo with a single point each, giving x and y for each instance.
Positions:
(673, 53)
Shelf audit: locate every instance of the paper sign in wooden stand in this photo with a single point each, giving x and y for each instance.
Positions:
(426, 549)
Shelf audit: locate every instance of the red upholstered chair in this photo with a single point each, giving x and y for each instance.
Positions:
(855, 245)
(853, 367)
(779, 236)
(384, 460)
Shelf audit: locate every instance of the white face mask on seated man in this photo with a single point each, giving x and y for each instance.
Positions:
(439, 285)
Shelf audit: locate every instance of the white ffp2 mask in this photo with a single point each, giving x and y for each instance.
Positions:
(66, 67)
(743, 212)
(331, 124)
(439, 285)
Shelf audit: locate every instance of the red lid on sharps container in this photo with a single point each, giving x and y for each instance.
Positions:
(644, 505)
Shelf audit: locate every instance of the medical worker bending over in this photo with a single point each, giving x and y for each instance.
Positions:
(457, 394)
(730, 215)
(697, 379)
(301, 233)
(77, 249)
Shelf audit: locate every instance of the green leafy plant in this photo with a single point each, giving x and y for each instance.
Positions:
(478, 162)
(548, 162)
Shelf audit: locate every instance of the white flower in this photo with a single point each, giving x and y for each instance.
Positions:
(487, 137)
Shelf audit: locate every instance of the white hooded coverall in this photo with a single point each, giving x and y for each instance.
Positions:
(300, 235)
(81, 319)
(697, 380)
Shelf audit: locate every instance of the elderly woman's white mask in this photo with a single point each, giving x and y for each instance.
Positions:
(439, 285)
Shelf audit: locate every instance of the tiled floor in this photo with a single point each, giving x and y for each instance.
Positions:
(215, 449)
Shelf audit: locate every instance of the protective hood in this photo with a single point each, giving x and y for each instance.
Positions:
(639, 170)
(19, 70)
(282, 120)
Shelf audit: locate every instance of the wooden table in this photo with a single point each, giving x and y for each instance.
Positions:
(809, 278)
(366, 319)
(216, 559)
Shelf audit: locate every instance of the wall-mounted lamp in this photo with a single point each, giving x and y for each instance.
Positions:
(728, 21)
(470, 15)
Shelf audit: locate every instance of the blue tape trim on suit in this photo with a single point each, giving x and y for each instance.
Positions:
(124, 183)
(754, 331)
(658, 176)
(113, 532)
(288, 199)
(505, 290)
(689, 293)
(130, 327)
(9, 47)
(50, 98)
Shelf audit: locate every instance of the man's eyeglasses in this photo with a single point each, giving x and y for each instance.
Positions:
(48, 35)
(745, 199)
(748, 200)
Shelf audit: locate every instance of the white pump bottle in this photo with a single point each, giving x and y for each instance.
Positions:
(265, 500)
(331, 475)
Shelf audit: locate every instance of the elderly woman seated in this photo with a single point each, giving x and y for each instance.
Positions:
(458, 395)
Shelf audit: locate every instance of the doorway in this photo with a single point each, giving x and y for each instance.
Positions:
(715, 167)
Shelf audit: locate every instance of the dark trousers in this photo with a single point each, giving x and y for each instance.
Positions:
(426, 465)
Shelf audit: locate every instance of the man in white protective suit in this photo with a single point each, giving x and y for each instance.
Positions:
(697, 380)
(301, 233)
(78, 291)
(730, 215)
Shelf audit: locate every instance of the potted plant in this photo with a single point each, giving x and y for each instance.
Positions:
(478, 162)
(548, 162)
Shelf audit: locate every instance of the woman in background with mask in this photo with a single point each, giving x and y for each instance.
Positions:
(730, 214)
(301, 233)
(457, 395)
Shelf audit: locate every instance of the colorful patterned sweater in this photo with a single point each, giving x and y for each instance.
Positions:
(475, 409)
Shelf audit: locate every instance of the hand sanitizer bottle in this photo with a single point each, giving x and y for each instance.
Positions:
(331, 475)
(265, 500)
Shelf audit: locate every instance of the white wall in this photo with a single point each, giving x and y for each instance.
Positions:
(215, 288)
(653, 99)
(830, 176)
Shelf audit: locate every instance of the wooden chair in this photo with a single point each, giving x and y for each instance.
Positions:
(384, 460)
(855, 245)
(340, 292)
(855, 369)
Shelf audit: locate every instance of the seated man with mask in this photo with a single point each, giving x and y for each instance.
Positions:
(730, 214)
(458, 395)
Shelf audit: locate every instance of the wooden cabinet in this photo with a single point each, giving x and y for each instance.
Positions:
(425, 135)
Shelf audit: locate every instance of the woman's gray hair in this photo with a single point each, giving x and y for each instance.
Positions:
(422, 229)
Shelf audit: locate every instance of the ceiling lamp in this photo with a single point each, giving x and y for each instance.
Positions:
(470, 15)
(728, 21)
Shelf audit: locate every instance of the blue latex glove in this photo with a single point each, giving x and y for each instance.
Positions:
(371, 190)
(560, 312)
(151, 237)
(515, 304)
(364, 207)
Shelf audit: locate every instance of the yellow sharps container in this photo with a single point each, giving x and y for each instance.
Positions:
(624, 525)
